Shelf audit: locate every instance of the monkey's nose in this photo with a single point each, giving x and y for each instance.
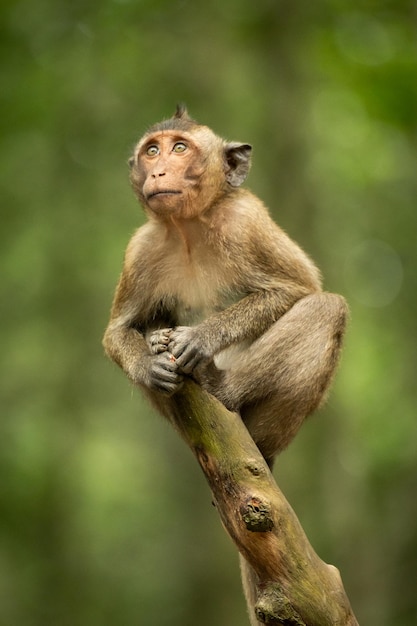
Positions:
(158, 174)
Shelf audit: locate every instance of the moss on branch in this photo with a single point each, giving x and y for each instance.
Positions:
(295, 587)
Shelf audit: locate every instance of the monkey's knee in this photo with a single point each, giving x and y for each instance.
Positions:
(324, 309)
(321, 320)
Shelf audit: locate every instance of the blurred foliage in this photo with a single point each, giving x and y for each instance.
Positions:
(105, 517)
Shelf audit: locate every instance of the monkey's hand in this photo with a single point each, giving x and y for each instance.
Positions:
(162, 373)
(158, 340)
(187, 347)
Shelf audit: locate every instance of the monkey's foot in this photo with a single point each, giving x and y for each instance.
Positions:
(158, 340)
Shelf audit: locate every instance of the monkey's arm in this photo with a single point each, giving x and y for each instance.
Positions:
(124, 342)
(245, 320)
(271, 273)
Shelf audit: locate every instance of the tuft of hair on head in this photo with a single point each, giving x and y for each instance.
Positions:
(181, 120)
(181, 111)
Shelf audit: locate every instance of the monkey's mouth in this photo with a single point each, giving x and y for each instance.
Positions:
(164, 192)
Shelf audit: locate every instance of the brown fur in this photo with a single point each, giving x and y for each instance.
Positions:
(250, 320)
(213, 288)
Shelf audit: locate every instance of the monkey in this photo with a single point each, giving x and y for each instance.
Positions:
(213, 289)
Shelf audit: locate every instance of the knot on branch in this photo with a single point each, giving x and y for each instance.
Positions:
(256, 515)
(273, 607)
(256, 468)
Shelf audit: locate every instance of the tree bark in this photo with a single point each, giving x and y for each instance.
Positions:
(294, 586)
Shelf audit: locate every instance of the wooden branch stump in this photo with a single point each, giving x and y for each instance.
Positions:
(294, 586)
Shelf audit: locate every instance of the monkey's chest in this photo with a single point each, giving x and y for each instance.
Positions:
(197, 297)
(198, 288)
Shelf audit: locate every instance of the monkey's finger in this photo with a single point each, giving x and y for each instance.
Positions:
(160, 337)
(157, 349)
(169, 373)
(159, 341)
(160, 384)
(183, 357)
(180, 339)
(187, 364)
(168, 389)
(179, 348)
(165, 381)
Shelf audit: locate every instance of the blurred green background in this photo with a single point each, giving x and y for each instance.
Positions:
(105, 518)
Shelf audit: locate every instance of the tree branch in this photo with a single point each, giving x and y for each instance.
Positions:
(294, 586)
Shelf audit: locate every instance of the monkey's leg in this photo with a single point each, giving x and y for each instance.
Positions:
(284, 374)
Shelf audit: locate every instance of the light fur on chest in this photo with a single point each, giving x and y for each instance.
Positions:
(199, 287)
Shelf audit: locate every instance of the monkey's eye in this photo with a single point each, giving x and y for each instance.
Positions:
(152, 150)
(179, 147)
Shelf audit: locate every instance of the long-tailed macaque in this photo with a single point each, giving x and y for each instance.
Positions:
(212, 288)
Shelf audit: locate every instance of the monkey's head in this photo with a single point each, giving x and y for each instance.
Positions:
(179, 167)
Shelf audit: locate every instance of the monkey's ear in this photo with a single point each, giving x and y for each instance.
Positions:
(131, 162)
(238, 162)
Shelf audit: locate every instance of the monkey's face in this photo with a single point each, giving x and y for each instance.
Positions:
(171, 168)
